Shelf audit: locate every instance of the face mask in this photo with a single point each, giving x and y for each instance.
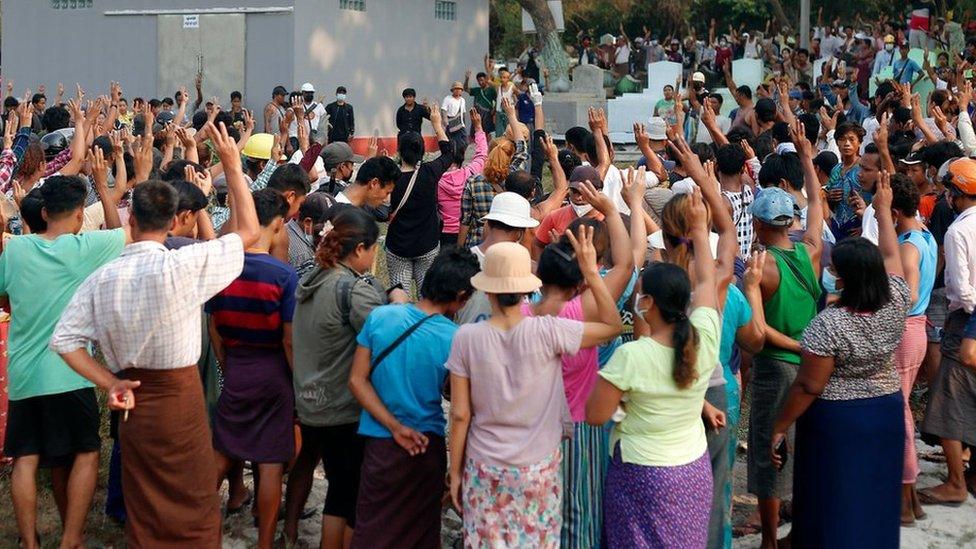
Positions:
(637, 310)
(829, 282)
(581, 210)
(308, 96)
(889, 47)
(341, 96)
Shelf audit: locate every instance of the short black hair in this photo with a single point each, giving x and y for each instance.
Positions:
(780, 167)
(904, 195)
(449, 276)
(781, 132)
(382, 168)
(279, 90)
(409, 92)
(739, 133)
(236, 95)
(705, 151)
(938, 153)
(290, 177)
(521, 183)
(176, 170)
(191, 198)
(826, 161)
(811, 125)
(37, 97)
(410, 147)
(63, 194)
(568, 160)
(270, 204)
(481, 75)
(730, 159)
(859, 263)
(55, 118)
(341, 89)
(576, 136)
(717, 97)
(167, 101)
(30, 211)
(849, 127)
(11, 103)
(745, 91)
(154, 205)
(153, 103)
(765, 110)
(558, 266)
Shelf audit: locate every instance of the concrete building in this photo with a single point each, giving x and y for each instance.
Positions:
(375, 48)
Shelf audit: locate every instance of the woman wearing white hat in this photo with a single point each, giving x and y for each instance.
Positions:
(508, 407)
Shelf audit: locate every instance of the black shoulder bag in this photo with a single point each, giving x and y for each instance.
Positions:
(403, 337)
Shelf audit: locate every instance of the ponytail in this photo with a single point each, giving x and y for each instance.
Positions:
(685, 340)
(670, 288)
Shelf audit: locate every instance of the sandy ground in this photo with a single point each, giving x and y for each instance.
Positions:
(945, 527)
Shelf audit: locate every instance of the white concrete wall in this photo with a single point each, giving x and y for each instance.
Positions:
(393, 45)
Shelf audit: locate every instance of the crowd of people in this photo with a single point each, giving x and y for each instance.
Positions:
(571, 357)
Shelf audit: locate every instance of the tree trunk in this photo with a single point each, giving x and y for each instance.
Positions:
(548, 43)
(780, 14)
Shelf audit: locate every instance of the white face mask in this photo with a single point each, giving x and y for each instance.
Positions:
(637, 310)
(889, 47)
(581, 210)
(341, 96)
(829, 282)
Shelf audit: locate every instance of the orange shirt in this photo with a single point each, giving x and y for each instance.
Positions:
(558, 220)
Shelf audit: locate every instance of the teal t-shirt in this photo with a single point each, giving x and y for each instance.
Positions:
(40, 277)
(410, 378)
(736, 314)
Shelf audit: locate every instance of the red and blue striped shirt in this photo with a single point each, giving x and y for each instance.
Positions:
(251, 311)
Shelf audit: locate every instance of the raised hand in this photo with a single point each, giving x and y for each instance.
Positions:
(697, 212)
(202, 180)
(597, 199)
(635, 183)
(549, 149)
(641, 136)
(475, 119)
(750, 153)
(882, 193)
(881, 134)
(584, 248)
(754, 269)
(535, 94)
(99, 168)
(798, 133)
(226, 147)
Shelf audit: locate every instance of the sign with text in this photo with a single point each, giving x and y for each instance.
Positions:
(191, 21)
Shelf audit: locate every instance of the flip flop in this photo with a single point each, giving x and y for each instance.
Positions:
(239, 508)
(926, 498)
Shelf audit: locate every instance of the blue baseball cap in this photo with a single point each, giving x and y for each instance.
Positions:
(774, 206)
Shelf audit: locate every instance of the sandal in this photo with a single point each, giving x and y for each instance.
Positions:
(235, 510)
(927, 498)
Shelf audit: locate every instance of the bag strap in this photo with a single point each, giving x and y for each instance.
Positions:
(796, 272)
(344, 296)
(383, 354)
(406, 193)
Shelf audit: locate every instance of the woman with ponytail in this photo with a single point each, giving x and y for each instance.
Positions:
(333, 302)
(658, 489)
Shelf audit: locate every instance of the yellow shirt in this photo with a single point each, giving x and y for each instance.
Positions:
(663, 426)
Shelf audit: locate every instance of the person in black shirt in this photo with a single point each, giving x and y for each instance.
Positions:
(341, 119)
(410, 116)
(413, 238)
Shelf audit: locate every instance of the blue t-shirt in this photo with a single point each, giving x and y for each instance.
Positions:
(735, 314)
(907, 68)
(410, 378)
(928, 252)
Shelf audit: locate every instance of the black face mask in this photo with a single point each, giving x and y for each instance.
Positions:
(308, 96)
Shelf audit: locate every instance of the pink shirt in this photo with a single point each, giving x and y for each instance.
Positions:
(517, 401)
(451, 185)
(579, 370)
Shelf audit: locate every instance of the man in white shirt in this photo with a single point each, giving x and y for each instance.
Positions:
(724, 122)
(453, 108)
(144, 310)
(951, 412)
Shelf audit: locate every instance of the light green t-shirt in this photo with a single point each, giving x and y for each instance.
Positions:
(663, 426)
(40, 277)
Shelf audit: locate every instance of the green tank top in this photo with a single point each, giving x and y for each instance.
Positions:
(794, 304)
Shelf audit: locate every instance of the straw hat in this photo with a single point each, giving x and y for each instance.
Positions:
(507, 270)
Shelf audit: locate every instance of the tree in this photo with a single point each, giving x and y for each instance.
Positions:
(548, 43)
